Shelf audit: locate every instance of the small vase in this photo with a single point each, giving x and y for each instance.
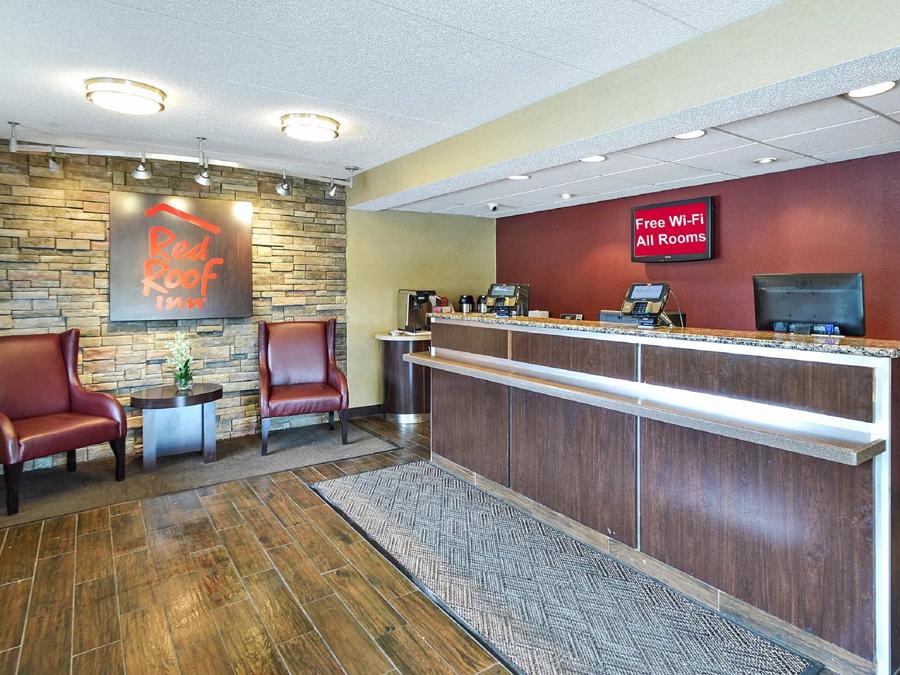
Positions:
(184, 383)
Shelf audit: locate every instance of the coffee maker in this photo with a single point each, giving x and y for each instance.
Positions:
(413, 308)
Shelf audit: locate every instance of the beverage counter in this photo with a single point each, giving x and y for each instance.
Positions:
(751, 471)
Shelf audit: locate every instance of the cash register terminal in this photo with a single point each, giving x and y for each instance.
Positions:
(644, 305)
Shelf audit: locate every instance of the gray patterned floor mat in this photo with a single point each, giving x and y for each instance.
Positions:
(547, 602)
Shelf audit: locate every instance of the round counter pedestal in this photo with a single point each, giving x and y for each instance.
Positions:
(406, 389)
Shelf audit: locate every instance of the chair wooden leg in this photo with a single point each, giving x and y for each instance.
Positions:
(70, 460)
(331, 421)
(12, 474)
(264, 432)
(118, 448)
(345, 418)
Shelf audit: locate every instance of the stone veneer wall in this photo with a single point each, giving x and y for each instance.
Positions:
(54, 275)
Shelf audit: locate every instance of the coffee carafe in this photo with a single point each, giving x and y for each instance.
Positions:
(466, 304)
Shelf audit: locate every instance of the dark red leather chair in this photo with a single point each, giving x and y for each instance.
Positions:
(45, 410)
(298, 373)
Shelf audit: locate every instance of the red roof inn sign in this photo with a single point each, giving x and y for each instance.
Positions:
(178, 258)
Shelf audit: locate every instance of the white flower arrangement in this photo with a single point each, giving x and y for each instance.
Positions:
(180, 359)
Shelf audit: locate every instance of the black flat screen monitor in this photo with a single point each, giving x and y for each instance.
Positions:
(796, 302)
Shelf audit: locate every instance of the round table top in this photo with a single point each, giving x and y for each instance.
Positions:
(404, 336)
(168, 396)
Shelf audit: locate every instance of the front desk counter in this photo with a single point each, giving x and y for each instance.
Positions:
(752, 471)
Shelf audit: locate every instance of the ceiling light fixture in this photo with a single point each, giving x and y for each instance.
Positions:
(13, 141)
(690, 135)
(593, 158)
(309, 127)
(765, 160)
(51, 162)
(519, 176)
(284, 186)
(566, 195)
(125, 96)
(203, 177)
(141, 172)
(872, 89)
(332, 189)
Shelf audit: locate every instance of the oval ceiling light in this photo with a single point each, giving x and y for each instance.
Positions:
(309, 127)
(567, 195)
(766, 160)
(125, 96)
(690, 135)
(872, 89)
(593, 158)
(519, 176)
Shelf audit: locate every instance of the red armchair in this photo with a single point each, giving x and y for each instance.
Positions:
(298, 374)
(45, 410)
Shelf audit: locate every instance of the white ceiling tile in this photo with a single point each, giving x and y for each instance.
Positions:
(599, 185)
(661, 173)
(672, 149)
(867, 151)
(861, 133)
(710, 14)
(887, 103)
(616, 161)
(776, 167)
(816, 115)
(586, 34)
(738, 161)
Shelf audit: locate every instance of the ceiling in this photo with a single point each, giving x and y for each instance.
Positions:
(831, 130)
(398, 75)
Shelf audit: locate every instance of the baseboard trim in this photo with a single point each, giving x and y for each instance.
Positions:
(771, 627)
(365, 410)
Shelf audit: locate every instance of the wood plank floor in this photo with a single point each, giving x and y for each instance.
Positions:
(253, 576)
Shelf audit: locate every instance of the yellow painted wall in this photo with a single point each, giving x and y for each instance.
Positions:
(390, 250)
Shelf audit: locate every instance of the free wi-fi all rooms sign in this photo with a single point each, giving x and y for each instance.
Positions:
(178, 258)
(672, 231)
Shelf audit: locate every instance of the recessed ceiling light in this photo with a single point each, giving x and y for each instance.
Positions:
(519, 176)
(766, 160)
(566, 195)
(309, 127)
(690, 135)
(872, 89)
(593, 158)
(125, 96)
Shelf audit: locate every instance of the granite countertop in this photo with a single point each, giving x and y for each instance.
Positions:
(810, 343)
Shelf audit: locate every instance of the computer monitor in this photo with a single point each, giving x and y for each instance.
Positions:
(810, 303)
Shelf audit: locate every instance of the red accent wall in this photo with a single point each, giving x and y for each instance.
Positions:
(842, 217)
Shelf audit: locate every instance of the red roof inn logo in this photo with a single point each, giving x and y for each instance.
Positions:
(178, 258)
(174, 264)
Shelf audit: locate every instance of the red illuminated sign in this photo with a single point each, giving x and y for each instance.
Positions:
(178, 258)
(672, 231)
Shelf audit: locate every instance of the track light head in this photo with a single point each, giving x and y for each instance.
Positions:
(142, 171)
(284, 186)
(203, 178)
(13, 141)
(51, 162)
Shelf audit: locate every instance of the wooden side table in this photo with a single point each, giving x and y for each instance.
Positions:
(178, 421)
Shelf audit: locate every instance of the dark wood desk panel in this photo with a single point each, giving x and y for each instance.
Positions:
(486, 341)
(787, 533)
(471, 424)
(576, 459)
(829, 388)
(595, 357)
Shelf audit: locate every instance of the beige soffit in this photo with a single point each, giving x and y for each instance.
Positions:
(793, 53)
